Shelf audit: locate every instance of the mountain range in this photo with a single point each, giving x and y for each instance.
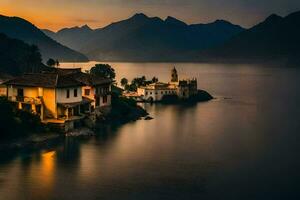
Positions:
(18, 28)
(277, 39)
(143, 38)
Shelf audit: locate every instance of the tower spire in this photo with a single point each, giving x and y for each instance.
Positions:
(174, 75)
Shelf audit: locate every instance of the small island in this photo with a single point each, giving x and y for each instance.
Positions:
(175, 91)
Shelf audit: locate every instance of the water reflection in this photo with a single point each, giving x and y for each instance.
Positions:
(69, 152)
(42, 174)
(241, 147)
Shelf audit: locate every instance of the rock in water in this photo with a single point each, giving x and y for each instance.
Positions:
(148, 118)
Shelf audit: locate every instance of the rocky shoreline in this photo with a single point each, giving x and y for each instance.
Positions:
(119, 115)
(47, 140)
(201, 96)
(32, 143)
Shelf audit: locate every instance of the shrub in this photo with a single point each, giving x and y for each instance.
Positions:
(17, 123)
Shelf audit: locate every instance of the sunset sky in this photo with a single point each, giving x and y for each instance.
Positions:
(56, 14)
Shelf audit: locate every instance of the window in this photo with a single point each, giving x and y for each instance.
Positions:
(38, 109)
(68, 93)
(75, 92)
(146, 93)
(20, 92)
(87, 92)
(104, 100)
(162, 92)
(150, 92)
(97, 101)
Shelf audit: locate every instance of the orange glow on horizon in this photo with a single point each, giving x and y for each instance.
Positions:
(58, 14)
(51, 17)
(55, 15)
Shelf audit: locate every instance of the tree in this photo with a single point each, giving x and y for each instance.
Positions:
(131, 87)
(51, 62)
(124, 82)
(17, 123)
(103, 70)
(34, 58)
(139, 81)
(154, 79)
(57, 64)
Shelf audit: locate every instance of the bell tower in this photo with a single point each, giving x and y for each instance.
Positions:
(174, 75)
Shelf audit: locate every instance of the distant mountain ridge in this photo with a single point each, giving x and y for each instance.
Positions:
(19, 28)
(277, 39)
(143, 38)
(72, 37)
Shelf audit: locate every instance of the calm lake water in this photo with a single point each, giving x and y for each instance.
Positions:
(243, 145)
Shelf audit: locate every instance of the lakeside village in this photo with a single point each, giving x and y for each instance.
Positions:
(69, 98)
(158, 91)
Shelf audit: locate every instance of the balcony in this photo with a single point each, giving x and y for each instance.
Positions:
(28, 100)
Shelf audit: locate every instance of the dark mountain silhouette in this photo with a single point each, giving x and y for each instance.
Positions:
(49, 33)
(17, 57)
(19, 28)
(274, 40)
(72, 37)
(141, 38)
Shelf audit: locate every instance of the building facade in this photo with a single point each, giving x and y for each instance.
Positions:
(96, 89)
(183, 89)
(3, 88)
(156, 91)
(62, 97)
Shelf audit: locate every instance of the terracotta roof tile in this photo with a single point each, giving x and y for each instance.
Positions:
(59, 78)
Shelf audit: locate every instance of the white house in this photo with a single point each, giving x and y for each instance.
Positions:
(183, 89)
(156, 91)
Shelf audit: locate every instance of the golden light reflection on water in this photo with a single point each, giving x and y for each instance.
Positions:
(48, 165)
(42, 176)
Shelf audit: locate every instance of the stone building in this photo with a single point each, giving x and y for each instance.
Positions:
(184, 89)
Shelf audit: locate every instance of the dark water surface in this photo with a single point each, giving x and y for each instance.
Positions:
(243, 145)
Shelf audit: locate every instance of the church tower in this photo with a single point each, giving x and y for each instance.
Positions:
(174, 76)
